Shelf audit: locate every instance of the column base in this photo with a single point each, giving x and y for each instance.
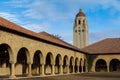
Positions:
(42, 74)
(52, 74)
(29, 75)
(78, 72)
(12, 76)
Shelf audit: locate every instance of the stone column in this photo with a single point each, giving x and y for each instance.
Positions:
(67, 69)
(82, 69)
(78, 69)
(53, 69)
(42, 68)
(73, 69)
(61, 69)
(12, 71)
(108, 70)
(29, 70)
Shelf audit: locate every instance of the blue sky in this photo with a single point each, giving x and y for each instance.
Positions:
(57, 16)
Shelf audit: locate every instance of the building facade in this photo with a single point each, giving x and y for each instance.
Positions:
(26, 53)
(23, 52)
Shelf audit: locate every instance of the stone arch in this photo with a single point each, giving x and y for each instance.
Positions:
(37, 61)
(114, 65)
(48, 63)
(65, 64)
(71, 66)
(84, 65)
(6, 57)
(23, 59)
(101, 65)
(76, 65)
(81, 65)
(58, 62)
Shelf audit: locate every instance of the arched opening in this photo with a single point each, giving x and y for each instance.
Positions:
(114, 65)
(71, 64)
(21, 67)
(84, 66)
(83, 22)
(57, 64)
(36, 63)
(101, 66)
(48, 65)
(65, 63)
(76, 65)
(4, 59)
(80, 67)
(79, 22)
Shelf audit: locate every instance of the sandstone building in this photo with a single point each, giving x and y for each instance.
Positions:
(26, 53)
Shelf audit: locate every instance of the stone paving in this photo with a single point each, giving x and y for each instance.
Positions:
(81, 76)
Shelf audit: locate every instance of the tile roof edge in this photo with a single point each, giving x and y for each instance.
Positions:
(31, 32)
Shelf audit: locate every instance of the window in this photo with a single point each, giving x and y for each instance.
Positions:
(75, 30)
(83, 21)
(79, 22)
(83, 30)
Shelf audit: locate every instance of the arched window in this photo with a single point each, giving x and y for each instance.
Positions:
(83, 22)
(79, 22)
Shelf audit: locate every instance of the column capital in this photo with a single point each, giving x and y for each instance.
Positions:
(29, 63)
(12, 62)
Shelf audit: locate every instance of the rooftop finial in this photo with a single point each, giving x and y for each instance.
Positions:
(80, 9)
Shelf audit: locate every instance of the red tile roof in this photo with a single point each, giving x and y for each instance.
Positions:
(107, 46)
(80, 13)
(41, 36)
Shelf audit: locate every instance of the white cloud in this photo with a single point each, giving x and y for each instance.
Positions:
(47, 10)
(11, 17)
(17, 3)
(97, 36)
(28, 25)
(37, 27)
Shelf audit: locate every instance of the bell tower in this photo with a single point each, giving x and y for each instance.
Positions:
(80, 30)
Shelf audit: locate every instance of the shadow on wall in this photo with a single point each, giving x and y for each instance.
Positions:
(90, 60)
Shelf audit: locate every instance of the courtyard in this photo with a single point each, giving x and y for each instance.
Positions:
(79, 76)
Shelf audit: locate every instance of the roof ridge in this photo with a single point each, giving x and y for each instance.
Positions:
(57, 38)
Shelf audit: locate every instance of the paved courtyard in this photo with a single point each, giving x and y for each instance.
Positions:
(81, 76)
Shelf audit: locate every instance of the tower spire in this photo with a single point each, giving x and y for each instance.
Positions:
(80, 9)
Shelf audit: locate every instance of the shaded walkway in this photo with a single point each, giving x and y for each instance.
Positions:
(81, 76)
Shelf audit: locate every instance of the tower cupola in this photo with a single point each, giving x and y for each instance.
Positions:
(80, 13)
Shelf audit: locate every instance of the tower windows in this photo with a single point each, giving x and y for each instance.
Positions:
(84, 22)
(75, 30)
(83, 30)
(79, 22)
